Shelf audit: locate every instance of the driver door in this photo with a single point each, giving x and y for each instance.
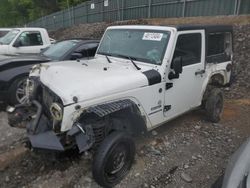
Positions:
(184, 93)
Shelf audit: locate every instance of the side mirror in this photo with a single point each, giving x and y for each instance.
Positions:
(17, 44)
(76, 55)
(177, 67)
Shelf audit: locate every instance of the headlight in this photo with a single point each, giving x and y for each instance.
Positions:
(56, 111)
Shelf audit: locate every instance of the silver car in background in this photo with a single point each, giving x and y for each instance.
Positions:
(237, 174)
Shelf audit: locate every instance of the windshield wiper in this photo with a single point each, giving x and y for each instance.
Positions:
(128, 57)
(108, 59)
(106, 55)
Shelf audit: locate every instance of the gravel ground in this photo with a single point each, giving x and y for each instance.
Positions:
(187, 152)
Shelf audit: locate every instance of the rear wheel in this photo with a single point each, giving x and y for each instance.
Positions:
(113, 159)
(17, 91)
(214, 105)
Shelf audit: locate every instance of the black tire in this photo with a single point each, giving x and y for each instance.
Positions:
(218, 183)
(14, 97)
(214, 105)
(113, 159)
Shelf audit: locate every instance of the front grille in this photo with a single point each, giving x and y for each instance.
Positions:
(48, 97)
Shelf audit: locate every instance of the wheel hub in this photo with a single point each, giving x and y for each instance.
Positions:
(20, 92)
(119, 161)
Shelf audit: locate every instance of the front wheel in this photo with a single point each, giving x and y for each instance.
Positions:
(113, 159)
(17, 91)
(214, 105)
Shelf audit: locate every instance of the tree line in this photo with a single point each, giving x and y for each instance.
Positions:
(19, 12)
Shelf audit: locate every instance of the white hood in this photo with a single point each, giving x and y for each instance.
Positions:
(3, 49)
(90, 79)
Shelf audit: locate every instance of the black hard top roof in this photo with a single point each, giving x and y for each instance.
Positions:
(207, 28)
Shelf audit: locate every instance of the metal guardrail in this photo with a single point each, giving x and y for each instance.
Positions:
(118, 10)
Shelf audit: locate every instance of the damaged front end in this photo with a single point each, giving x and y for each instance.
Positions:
(42, 116)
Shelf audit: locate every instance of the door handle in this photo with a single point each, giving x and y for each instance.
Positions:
(201, 72)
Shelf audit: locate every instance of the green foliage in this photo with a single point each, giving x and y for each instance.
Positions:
(64, 4)
(19, 12)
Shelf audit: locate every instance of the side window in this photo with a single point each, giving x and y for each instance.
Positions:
(30, 39)
(87, 50)
(219, 47)
(188, 47)
(216, 44)
(92, 49)
(82, 50)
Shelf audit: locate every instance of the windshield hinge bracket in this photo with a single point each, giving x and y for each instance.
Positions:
(167, 108)
(169, 85)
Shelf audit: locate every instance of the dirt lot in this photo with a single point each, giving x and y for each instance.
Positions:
(187, 152)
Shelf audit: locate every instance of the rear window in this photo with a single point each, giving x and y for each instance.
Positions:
(219, 47)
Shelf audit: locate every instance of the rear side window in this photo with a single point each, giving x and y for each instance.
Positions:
(30, 39)
(188, 47)
(216, 44)
(219, 47)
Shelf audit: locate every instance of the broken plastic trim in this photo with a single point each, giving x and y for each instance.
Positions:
(84, 137)
(38, 116)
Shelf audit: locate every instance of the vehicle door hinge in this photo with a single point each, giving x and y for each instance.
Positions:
(167, 108)
(169, 85)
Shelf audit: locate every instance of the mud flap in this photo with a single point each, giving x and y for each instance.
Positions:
(46, 140)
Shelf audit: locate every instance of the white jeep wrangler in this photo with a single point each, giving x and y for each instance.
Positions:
(140, 78)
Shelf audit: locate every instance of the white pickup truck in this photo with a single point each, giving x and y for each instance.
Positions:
(24, 40)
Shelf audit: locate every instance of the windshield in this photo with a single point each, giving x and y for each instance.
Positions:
(9, 37)
(142, 45)
(60, 49)
(2, 33)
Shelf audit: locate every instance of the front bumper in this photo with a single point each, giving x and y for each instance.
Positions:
(40, 131)
(47, 140)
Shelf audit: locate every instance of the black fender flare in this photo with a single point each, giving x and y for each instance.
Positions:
(125, 114)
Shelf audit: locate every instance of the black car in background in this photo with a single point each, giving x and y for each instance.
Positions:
(14, 70)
